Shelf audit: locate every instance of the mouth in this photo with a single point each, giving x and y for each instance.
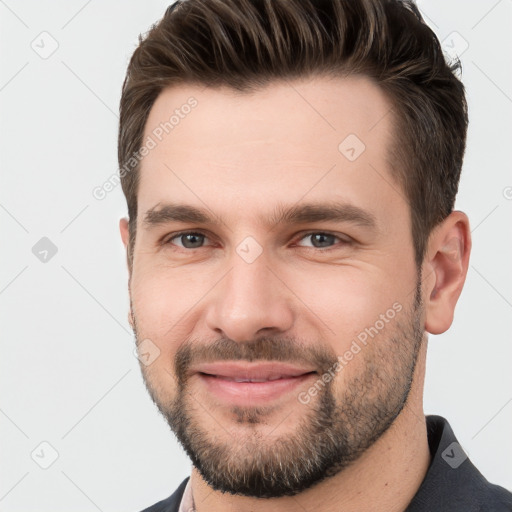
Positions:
(241, 379)
(241, 384)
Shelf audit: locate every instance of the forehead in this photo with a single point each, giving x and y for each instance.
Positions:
(324, 138)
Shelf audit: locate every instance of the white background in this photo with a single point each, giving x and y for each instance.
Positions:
(68, 375)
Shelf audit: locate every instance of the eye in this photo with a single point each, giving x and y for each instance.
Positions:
(321, 240)
(187, 240)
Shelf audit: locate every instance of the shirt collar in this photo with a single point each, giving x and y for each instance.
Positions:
(452, 482)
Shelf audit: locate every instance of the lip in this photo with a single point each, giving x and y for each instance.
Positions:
(251, 383)
(254, 371)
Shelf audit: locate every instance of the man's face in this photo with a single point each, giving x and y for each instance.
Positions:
(328, 306)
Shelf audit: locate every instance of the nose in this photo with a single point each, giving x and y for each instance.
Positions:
(249, 302)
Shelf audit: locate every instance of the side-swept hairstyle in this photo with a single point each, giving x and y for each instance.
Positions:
(247, 44)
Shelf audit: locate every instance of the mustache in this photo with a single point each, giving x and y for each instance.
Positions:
(263, 349)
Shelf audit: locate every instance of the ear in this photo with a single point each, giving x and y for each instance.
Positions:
(123, 228)
(125, 237)
(445, 267)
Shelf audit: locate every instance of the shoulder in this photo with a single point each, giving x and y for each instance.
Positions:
(172, 503)
(452, 481)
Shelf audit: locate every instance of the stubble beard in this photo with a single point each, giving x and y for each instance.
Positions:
(332, 432)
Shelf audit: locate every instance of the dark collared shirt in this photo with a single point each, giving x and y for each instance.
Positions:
(452, 483)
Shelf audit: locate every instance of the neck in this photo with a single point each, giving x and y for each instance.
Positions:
(384, 479)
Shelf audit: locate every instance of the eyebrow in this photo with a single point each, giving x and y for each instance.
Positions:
(295, 214)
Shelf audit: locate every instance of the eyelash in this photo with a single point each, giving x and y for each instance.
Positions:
(168, 241)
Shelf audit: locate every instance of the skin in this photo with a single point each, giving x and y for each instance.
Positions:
(241, 156)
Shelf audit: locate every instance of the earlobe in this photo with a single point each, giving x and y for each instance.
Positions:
(447, 261)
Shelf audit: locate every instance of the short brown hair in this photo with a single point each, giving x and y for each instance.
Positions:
(247, 44)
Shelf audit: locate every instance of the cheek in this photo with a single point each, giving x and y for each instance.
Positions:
(151, 300)
(159, 303)
(161, 296)
(168, 305)
(358, 314)
(345, 302)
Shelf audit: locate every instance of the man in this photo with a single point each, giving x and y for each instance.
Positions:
(290, 169)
